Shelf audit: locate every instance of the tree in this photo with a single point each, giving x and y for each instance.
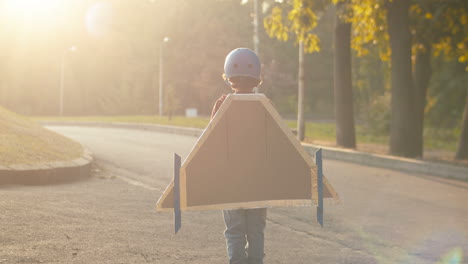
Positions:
(439, 27)
(454, 44)
(386, 23)
(171, 101)
(403, 128)
(415, 30)
(301, 19)
(462, 149)
(345, 131)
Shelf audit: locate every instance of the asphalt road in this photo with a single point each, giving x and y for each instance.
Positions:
(384, 217)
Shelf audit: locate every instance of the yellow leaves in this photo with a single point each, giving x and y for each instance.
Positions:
(450, 48)
(368, 25)
(300, 20)
(360, 50)
(274, 25)
(464, 19)
(455, 30)
(431, 101)
(415, 9)
(463, 58)
(445, 28)
(385, 54)
(362, 10)
(461, 45)
(311, 43)
(444, 46)
(338, 1)
(284, 35)
(462, 49)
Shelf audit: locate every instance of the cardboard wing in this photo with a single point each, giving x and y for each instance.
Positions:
(246, 158)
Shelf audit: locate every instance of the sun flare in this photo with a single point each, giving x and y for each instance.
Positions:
(30, 10)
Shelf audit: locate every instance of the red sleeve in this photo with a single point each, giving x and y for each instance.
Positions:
(217, 105)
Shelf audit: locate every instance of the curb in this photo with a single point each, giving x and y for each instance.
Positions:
(47, 173)
(391, 162)
(347, 155)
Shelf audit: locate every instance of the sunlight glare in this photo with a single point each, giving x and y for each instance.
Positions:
(30, 9)
(99, 18)
(455, 256)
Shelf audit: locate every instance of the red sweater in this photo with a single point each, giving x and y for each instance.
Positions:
(220, 101)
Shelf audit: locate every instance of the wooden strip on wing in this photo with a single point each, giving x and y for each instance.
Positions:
(183, 188)
(313, 176)
(255, 204)
(166, 200)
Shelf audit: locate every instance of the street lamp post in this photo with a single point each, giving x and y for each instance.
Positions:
(300, 95)
(62, 77)
(256, 18)
(256, 39)
(165, 40)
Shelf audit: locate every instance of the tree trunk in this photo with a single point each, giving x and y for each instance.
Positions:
(345, 134)
(462, 150)
(422, 76)
(403, 125)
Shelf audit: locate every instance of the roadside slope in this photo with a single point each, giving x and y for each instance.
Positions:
(23, 141)
(32, 155)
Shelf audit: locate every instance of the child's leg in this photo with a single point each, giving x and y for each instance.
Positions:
(256, 220)
(236, 229)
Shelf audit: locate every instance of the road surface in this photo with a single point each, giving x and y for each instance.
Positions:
(384, 216)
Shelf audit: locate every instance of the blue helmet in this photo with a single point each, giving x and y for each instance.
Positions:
(242, 62)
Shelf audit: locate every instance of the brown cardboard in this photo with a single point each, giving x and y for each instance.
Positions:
(246, 158)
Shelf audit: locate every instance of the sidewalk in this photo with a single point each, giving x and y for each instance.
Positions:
(375, 160)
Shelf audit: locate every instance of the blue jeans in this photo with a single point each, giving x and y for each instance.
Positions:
(244, 235)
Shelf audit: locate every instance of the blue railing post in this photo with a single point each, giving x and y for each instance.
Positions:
(177, 212)
(318, 161)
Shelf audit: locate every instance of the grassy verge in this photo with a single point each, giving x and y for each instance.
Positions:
(198, 122)
(321, 133)
(23, 141)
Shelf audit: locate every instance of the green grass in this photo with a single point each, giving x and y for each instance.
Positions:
(315, 132)
(198, 122)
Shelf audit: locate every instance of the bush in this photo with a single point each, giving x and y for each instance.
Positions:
(377, 117)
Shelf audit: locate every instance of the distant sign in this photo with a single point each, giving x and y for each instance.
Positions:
(191, 112)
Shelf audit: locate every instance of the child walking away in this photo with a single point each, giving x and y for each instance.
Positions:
(244, 227)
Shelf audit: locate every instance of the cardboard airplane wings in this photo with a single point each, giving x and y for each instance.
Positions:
(246, 158)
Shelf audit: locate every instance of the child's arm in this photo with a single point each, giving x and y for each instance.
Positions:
(217, 105)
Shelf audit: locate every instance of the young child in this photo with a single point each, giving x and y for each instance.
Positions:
(244, 227)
